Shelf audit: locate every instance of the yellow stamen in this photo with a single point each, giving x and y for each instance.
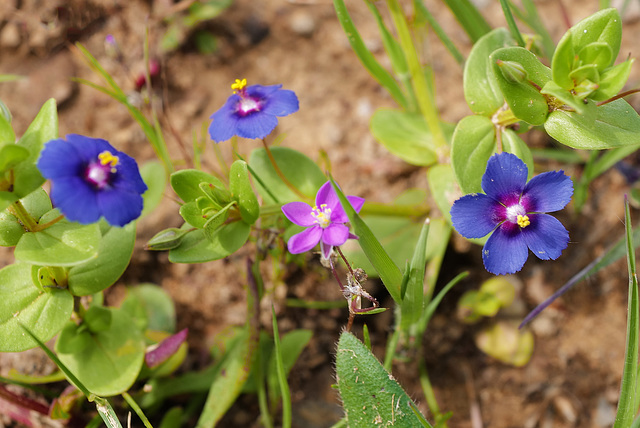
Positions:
(239, 85)
(107, 158)
(523, 221)
(322, 215)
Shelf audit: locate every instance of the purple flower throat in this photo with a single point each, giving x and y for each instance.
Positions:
(247, 103)
(99, 174)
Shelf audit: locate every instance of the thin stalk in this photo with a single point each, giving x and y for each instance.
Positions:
(428, 392)
(511, 22)
(446, 41)
(132, 403)
(279, 172)
(43, 226)
(391, 349)
(617, 97)
(19, 211)
(421, 87)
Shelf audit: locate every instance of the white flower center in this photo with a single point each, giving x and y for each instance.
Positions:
(322, 215)
(515, 211)
(248, 105)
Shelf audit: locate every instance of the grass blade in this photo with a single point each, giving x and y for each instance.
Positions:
(627, 406)
(389, 273)
(282, 375)
(469, 18)
(413, 300)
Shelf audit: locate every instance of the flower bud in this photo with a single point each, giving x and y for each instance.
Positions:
(166, 239)
(513, 71)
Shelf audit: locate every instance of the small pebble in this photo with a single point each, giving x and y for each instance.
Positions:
(302, 22)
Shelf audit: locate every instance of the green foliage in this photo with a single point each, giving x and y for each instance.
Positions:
(106, 361)
(44, 312)
(370, 395)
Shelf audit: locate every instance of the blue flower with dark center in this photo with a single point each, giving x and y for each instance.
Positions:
(252, 111)
(90, 179)
(514, 211)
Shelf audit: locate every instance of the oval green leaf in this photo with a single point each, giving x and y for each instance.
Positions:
(481, 88)
(524, 99)
(114, 253)
(112, 363)
(44, 313)
(155, 178)
(196, 248)
(63, 244)
(301, 171)
(616, 124)
(474, 140)
(186, 183)
(240, 187)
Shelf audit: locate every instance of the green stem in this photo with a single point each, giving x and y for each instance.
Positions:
(513, 28)
(421, 87)
(280, 174)
(429, 395)
(19, 211)
(137, 409)
(377, 208)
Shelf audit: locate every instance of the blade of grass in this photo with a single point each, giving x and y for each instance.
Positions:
(627, 406)
(132, 403)
(418, 78)
(366, 57)
(389, 273)
(421, 9)
(469, 18)
(511, 22)
(282, 376)
(532, 19)
(413, 301)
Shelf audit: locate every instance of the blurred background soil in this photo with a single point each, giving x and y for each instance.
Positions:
(574, 375)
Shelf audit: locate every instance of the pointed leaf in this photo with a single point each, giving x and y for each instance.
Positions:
(196, 248)
(242, 191)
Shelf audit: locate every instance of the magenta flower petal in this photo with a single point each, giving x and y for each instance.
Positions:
(299, 213)
(335, 234)
(305, 240)
(325, 250)
(165, 349)
(326, 195)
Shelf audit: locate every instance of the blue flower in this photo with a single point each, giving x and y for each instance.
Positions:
(514, 211)
(90, 179)
(252, 111)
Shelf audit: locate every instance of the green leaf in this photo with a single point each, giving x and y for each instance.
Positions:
(242, 192)
(370, 395)
(291, 346)
(389, 273)
(505, 342)
(155, 306)
(63, 244)
(413, 300)
(155, 178)
(196, 248)
(192, 214)
(7, 136)
(616, 124)
(43, 128)
(112, 363)
(114, 253)
(627, 404)
(44, 313)
(406, 135)
(443, 187)
(214, 222)
(37, 203)
(612, 81)
(297, 168)
(11, 155)
(596, 53)
(524, 99)
(604, 26)
(574, 101)
(474, 140)
(186, 183)
(469, 17)
(512, 143)
(481, 88)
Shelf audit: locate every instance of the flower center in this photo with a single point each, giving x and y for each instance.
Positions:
(523, 221)
(247, 104)
(322, 215)
(99, 173)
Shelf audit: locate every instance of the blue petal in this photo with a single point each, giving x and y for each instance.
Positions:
(504, 253)
(60, 159)
(506, 176)
(281, 103)
(256, 125)
(76, 199)
(225, 121)
(119, 207)
(547, 192)
(262, 92)
(474, 216)
(546, 237)
(128, 175)
(89, 148)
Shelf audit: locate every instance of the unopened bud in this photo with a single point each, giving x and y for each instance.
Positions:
(166, 239)
(514, 72)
